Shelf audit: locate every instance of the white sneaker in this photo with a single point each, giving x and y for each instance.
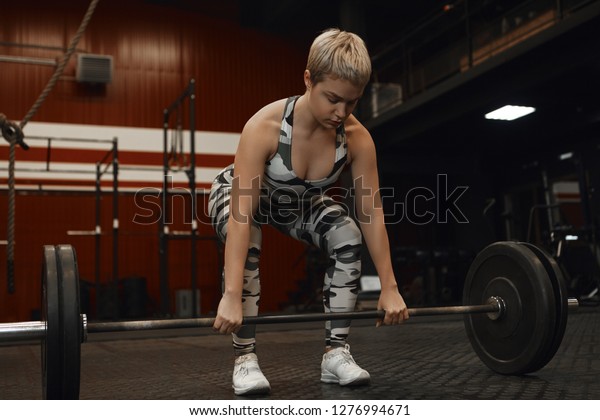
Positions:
(247, 376)
(338, 367)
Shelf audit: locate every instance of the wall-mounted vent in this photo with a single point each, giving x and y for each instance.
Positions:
(93, 68)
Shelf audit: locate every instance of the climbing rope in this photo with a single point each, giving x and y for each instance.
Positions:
(61, 66)
(13, 133)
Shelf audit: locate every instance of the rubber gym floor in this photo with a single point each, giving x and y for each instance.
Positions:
(426, 358)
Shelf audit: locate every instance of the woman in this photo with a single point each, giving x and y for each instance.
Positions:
(282, 182)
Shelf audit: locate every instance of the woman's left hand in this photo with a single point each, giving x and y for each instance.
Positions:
(392, 302)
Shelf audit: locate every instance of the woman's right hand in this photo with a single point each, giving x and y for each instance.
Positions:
(229, 314)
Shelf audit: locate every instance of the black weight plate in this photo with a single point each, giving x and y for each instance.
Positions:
(51, 344)
(561, 301)
(514, 343)
(68, 289)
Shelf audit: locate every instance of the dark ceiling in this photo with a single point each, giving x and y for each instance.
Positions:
(557, 72)
(379, 21)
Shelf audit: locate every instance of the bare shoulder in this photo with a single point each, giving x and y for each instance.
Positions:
(262, 129)
(267, 118)
(360, 142)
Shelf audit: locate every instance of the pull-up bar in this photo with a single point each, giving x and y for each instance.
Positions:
(189, 94)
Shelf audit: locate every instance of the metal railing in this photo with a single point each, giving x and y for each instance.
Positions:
(454, 39)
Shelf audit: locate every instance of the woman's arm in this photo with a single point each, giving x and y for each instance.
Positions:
(370, 215)
(253, 151)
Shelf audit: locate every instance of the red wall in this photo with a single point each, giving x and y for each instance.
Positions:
(156, 50)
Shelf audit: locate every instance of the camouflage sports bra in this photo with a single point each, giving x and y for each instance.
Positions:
(278, 170)
(281, 188)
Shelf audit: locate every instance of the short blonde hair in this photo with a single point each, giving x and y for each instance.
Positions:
(339, 54)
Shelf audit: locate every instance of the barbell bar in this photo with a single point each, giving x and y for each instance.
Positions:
(515, 310)
(98, 327)
(36, 330)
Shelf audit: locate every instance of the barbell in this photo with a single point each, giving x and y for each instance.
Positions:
(514, 305)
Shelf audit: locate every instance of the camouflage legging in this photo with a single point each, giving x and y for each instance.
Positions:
(325, 224)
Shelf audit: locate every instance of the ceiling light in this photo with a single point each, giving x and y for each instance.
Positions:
(509, 112)
(566, 156)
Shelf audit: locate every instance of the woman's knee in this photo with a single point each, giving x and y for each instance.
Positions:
(344, 240)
